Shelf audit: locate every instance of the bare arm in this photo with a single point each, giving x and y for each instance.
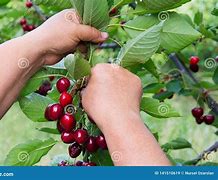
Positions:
(112, 99)
(22, 57)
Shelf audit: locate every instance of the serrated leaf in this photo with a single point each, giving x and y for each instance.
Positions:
(176, 144)
(141, 48)
(77, 66)
(96, 13)
(79, 6)
(30, 153)
(177, 33)
(49, 130)
(157, 109)
(34, 105)
(102, 158)
(153, 88)
(119, 3)
(155, 6)
(174, 86)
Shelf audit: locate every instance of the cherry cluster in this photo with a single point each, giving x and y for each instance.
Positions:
(198, 113)
(78, 163)
(193, 63)
(23, 22)
(71, 132)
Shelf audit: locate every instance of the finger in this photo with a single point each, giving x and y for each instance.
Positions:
(88, 33)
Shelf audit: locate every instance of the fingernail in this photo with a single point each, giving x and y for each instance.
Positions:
(104, 35)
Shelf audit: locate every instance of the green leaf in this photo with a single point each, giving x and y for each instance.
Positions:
(34, 105)
(96, 13)
(30, 153)
(102, 158)
(77, 66)
(154, 6)
(79, 6)
(215, 76)
(209, 164)
(215, 12)
(119, 3)
(177, 33)
(163, 95)
(174, 86)
(198, 19)
(153, 88)
(34, 83)
(157, 109)
(150, 67)
(49, 130)
(176, 144)
(4, 2)
(141, 48)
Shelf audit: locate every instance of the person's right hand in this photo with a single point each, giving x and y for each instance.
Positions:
(112, 92)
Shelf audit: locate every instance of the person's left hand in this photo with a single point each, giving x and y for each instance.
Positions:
(61, 35)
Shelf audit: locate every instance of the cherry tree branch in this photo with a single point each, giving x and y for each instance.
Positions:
(212, 104)
(205, 154)
(39, 12)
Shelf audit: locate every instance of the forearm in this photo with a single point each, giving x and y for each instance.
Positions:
(19, 61)
(131, 143)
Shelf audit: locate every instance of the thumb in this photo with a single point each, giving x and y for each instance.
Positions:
(88, 33)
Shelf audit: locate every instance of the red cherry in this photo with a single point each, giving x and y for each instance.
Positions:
(53, 112)
(216, 59)
(59, 127)
(74, 150)
(89, 164)
(25, 27)
(91, 145)
(81, 136)
(197, 112)
(194, 60)
(199, 120)
(68, 122)
(63, 84)
(65, 99)
(79, 163)
(101, 142)
(194, 68)
(29, 4)
(209, 119)
(67, 138)
(31, 27)
(23, 21)
(113, 12)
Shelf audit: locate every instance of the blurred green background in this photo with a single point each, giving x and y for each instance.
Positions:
(15, 128)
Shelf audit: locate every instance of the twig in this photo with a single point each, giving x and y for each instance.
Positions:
(39, 12)
(212, 104)
(204, 154)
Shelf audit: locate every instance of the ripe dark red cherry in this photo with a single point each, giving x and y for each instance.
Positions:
(101, 142)
(197, 112)
(216, 59)
(89, 164)
(23, 21)
(63, 84)
(29, 4)
(25, 27)
(44, 88)
(113, 12)
(68, 122)
(91, 145)
(79, 163)
(209, 119)
(65, 99)
(81, 136)
(199, 120)
(194, 68)
(67, 138)
(74, 150)
(62, 163)
(194, 60)
(59, 127)
(53, 112)
(31, 27)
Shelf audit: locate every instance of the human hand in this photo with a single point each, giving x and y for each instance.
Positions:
(61, 35)
(112, 92)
